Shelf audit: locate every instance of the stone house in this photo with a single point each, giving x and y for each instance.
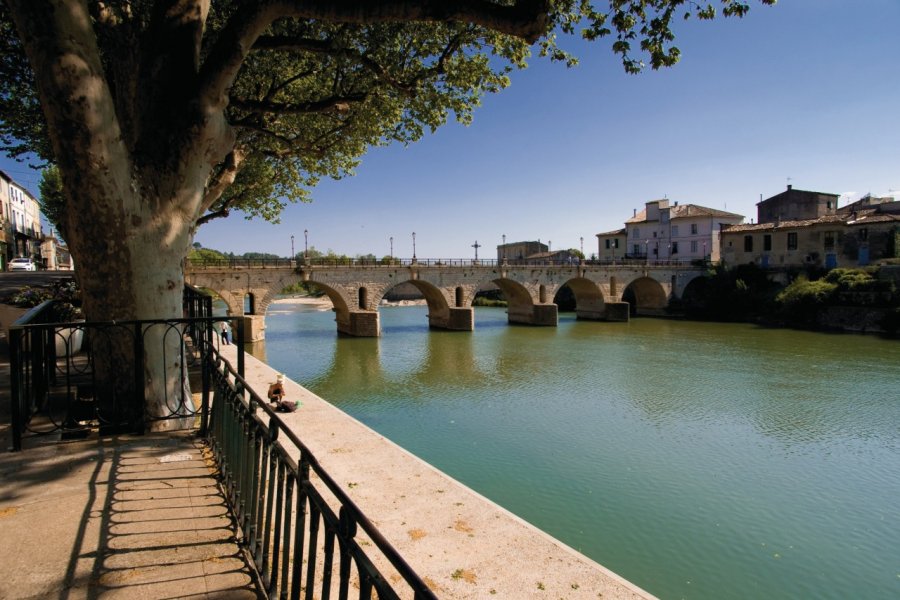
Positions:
(671, 232)
(796, 205)
(845, 238)
(520, 250)
(611, 245)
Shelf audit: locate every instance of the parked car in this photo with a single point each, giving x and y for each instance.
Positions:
(22, 264)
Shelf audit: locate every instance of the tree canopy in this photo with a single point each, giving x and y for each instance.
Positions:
(307, 87)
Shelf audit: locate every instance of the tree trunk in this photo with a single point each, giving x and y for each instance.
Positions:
(134, 180)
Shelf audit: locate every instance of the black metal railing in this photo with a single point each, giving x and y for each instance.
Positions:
(70, 379)
(239, 263)
(294, 535)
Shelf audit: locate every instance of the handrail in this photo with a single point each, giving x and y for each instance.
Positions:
(393, 263)
(247, 448)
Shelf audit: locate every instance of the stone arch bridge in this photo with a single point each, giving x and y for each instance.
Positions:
(602, 291)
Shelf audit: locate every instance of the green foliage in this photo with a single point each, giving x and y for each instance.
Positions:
(52, 200)
(805, 293)
(744, 293)
(205, 254)
(314, 94)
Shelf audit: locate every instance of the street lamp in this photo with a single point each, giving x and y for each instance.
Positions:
(414, 246)
(305, 244)
(647, 251)
(292, 247)
(582, 245)
(392, 248)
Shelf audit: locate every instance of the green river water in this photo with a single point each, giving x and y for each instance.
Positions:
(698, 460)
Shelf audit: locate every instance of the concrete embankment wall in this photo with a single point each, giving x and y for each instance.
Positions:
(462, 544)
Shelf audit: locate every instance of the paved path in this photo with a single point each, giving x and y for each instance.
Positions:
(135, 517)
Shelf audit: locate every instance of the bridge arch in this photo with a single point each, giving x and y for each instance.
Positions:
(646, 296)
(589, 300)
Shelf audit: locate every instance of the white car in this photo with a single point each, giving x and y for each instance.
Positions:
(22, 264)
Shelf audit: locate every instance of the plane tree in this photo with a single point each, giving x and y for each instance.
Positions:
(161, 115)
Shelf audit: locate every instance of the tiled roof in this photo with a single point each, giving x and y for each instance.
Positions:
(683, 211)
(859, 218)
(692, 210)
(616, 232)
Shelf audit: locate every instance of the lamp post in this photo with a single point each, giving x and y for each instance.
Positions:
(305, 244)
(647, 251)
(392, 248)
(292, 247)
(582, 245)
(414, 246)
(704, 251)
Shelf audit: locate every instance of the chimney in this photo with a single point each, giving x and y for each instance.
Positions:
(676, 203)
(790, 187)
(634, 214)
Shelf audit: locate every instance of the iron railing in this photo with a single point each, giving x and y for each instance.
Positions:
(239, 263)
(268, 477)
(70, 379)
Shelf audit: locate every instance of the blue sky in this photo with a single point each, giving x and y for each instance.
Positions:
(807, 90)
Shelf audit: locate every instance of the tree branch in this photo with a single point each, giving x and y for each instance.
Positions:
(223, 179)
(339, 103)
(526, 19)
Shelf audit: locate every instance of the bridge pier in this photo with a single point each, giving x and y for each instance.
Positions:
(254, 327)
(360, 323)
(546, 315)
(458, 319)
(611, 311)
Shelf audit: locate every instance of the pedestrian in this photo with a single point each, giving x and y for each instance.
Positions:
(225, 339)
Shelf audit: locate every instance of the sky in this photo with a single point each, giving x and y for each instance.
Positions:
(805, 93)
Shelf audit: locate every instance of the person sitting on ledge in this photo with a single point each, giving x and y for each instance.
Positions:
(276, 396)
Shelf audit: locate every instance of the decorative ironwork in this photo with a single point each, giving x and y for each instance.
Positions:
(267, 475)
(70, 379)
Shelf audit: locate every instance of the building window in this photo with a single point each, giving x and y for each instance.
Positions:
(674, 230)
(636, 232)
(792, 240)
(607, 243)
(694, 247)
(694, 229)
(674, 247)
(829, 240)
(636, 249)
(616, 243)
(748, 243)
(767, 242)
(863, 234)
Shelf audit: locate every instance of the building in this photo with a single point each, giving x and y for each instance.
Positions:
(611, 245)
(855, 235)
(796, 205)
(671, 232)
(55, 255)
(520, 250)
(22, 233)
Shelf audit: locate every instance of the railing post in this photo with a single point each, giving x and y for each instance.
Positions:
(240, 346)
(138, 398)
(15, 364)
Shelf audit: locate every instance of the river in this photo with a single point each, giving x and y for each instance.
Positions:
(698, 460)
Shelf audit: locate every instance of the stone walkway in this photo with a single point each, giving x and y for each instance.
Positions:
(130, 517)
